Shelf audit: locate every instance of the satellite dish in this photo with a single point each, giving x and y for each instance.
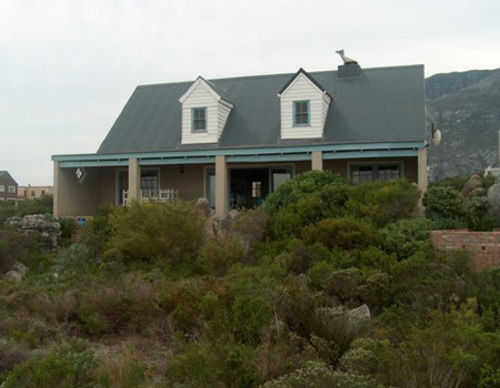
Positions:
(436, 138)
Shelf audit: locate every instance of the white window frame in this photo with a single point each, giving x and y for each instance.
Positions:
(12, 189)
(2, 188)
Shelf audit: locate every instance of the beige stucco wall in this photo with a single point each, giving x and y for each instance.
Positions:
(99, 187)
(71, 198)
(188, 180)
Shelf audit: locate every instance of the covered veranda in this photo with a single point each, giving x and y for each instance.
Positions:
(227, 177)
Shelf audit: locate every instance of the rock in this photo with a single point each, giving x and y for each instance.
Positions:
(494, 200)
(37, 224)
(221, 226)
(472, 184)
(204, 205)
(18, 272)
(360, 313)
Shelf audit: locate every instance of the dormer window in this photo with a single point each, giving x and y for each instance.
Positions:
(301, 113)
(304, 105)
(204, 112)
(199, 119)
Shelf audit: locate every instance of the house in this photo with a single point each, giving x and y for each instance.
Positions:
(31, 192)
(235, 140)
(8, 187)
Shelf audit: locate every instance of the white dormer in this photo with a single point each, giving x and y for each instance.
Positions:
(304, 105)
(204, 113)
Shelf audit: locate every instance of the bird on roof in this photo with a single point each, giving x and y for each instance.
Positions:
(344, 58)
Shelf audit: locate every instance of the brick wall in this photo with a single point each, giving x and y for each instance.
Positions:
(483, 247)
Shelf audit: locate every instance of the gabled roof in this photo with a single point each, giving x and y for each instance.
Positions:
(214, 90)
(380, 105)
(308, 76)
(4, 173)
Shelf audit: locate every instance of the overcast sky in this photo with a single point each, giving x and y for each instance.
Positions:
(68, 67)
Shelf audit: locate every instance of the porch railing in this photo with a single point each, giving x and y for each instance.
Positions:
(161, 195)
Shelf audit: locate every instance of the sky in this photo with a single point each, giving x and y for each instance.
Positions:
(67, 68)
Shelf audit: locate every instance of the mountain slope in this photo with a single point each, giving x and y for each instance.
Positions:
(466, 108)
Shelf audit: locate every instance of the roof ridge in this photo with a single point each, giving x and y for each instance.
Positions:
(256, 76)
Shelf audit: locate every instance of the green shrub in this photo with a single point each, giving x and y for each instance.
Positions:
(298, 257)
(477, 216)
(68, 227)
(342, 233)
(383, 203)
(249, 316)
(19, 247)
(96, 232)
(70, 365)
(456, 183)
(300, 187)
(443, 203)
(76, 259)
(488, 180)
(212, 365)
(128, 304)
(217, 256)
(11, 354)
(173, 232)
(318, 374)
(404, 237)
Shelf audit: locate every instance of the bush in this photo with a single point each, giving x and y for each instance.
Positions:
(68, 227)
(96, 232)
(383, 203)
(249, 316)
(477, 214)
(213, 365)
(443, 203)
(11, 354)
(70, 365)
(172, 231)
(404, 237)
(456, 183)
(342, 233)
(300, 187)
(318, 374)
(217, 256)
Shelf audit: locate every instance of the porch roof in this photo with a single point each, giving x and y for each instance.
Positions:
(245, 155)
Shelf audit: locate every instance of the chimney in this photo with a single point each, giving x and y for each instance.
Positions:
(349, 68)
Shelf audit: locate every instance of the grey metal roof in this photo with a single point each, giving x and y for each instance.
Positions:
(381, 105)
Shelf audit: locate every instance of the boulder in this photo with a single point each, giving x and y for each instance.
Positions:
(360, 313)
(204, 205)
(221, 226)
(37, 224)
(494, 200)
(472, 184)
(17, 272)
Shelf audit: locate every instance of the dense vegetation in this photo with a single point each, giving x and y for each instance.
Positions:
(153, 295)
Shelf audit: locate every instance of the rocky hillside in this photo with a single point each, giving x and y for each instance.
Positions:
(466, 108)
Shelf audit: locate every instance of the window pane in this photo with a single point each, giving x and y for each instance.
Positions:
(389, 173)
(301, 112)
(199, 119)
(362, 174)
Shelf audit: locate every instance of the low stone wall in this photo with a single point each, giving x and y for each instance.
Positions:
(483, 247)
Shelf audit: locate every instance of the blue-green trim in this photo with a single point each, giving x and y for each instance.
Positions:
(330, 151)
